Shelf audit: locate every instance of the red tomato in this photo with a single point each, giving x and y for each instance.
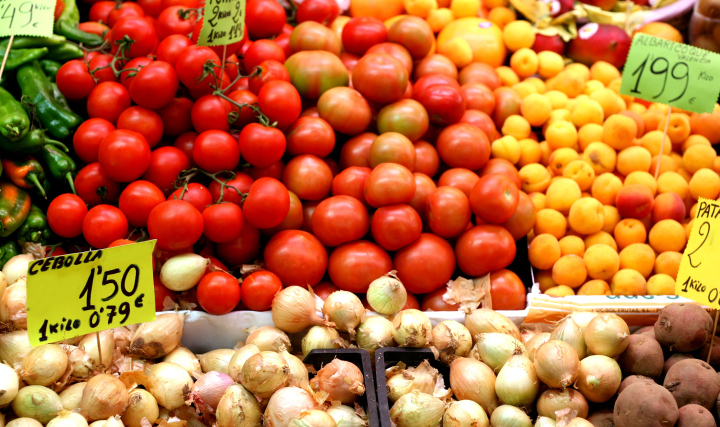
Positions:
(99, 11)
(448, 211)
(245, 115)
(308, 176)
(155, 85)
(185, 143)
(392, 147)
(223, 222)
(484, 248)
(356, 151)
(260, 145)
(293, 220)
(107, 101)
(396, 226)
(137, 201)
(74, 80)
(349, 60)
(233, 189)
(296, 257)
(396, 51)
(124, 155)
(210, 112)
(308, 211)
(275, 170)
(267, 203)
(426, 81)
(463, 146)
(389, 183)
(166, 163)
(340, 219)
(434, 301)
(143, 121)
(411, 302)
(507, 290)
(260, 51)
(424, 186)
(503, 167)
(169, 49)
(65, 215)
(345, 109)
(94, 186)
(151, 7)
(280, 102)
(176, 224)
(361, 33)
(215, 151)
(175, 20)
(139, 30)
(353, 266)
(88, 137)
(190, 65)
(480, 73)
(426, 264)
(322, 11)
(268, 71)
(242, 250)
(127, 76)
(218, 292)
(380, 78)
(196, 194)
(176, 116)
(435, 64)
(123, 10)
(310, 135)
(494, 198)
(351, 182)
(103, 224)
(523, 220)
(324, 289)
(481, 121)
(478, 97)
(444, 104)
(427, 160)
(460, 178)
(264, 18)
(259, 289)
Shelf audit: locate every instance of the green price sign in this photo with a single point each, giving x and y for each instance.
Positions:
(223, 23)
(671, 73)
(27, 17)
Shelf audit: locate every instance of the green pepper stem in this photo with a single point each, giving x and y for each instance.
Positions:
(60, 145)
(34, 180)
(69, 178)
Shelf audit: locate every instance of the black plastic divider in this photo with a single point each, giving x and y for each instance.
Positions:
(360, 358)
(390, 356)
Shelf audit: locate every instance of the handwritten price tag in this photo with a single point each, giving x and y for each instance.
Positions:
(27, 17)
(675, 74)
(223, 22)
(76, 294)
(697, 278)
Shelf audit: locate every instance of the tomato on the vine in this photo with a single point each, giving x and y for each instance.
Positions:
(259, 289)
(124, 155)
(322, 11)
(166, 163)
(107, 101)
(123, 10)
(218, 292)
(176, 224)
(196, 194)
(144, 121)
(242, 250)
(176, 116)
(94, 186)
(155, 85)
(137, 201)
(215, 151)
(137, 29)
(280, 102)
(88, 136)
(267, 203)
(261, 146)
(233, 188)
(264, 18)
(223, 222)
(104, 224)
(74, 80)
(175, 20)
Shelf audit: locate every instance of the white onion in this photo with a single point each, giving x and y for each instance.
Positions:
(68, 419)
(473, 380)
(264, 373)
(17, 267)
(216, 360)
(494, 349)
(24, 422)
(298, 373)
(169, 384)
(484, 320)
(293, 310)
(14, 346)
(535, 342)
(344, 309)
(516, 383)
(13, 305)
(313, 418)
(582, 318)
(209, 389)
(346, 416)
(373, 333)
(509, 416)
(107, 345)
(387, 295)
(104, 396)
(238, 408)
(81, 363)
(342, 381)
(71, 397)
(269, 338)
(320, 337)
(423, 379)
(286, 404)
(417, 409)
(451, 339)
(412, 328)
(37, 402)
(553, 400)
(599, 378)
(142, 405)
(607, 335)
(184, 271)
(157, 338)
(44, 365)
(185, 358)
(465, 413)
(238, 360)
(569, 331)
(557, 364)
(9, 384)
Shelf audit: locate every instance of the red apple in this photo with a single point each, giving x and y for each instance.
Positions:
(599, 42)
(602, 4)
(552, 43)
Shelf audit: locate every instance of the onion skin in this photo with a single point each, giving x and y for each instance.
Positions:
(16, 268)
(417, 409)
(82, 364)
(507, 415)
(169, 384)
(238, 408)
(607, 335)
(484, 320)
(37, 402)
(412, 328)
(554, 400)
(314, 418)
(14, 346)
(264, 373)
(293, 310)
(9, 385)
(142, 405)
(320, 337)
(344, 309)
(342, 381)
(13, 306)
(599, 378)
(387, 295)
(269, 338)
(71, 397)
(209, 389)
(185, 358)
(516, 383)
(68, 419)
(451, 339)
(557, 364)
(24, 422)
(107, 344)
(374, 333)
(44, 365)
(465, 413)
(104, 396)
(473, 380)
(298, 373)
(238, 360)
(216, 360)
(286, 404)
(346, 415)
(155, 339)
(423, 379)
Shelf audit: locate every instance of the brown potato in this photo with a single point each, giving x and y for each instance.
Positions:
(693, 381)
(645, 405)
(602, 418)
(695, 416)
(643, 356)
(634, 379)
(670, 361)
(715, 356)
(683, 327)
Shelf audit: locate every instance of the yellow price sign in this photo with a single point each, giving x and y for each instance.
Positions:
(27, 17)
(77, 294)
(698, 277)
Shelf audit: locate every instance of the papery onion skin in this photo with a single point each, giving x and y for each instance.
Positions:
(169, 384)
(269, 338)
(346, 416)
(82, 364)
(557, 364)
(293, 310)
(107, 347)
(423, 379)
(516, 383)
(104, 396)
(484, 320)
(71, 397)
(238, 360)
(185, 358)
(14, 346)
(344, 309)
(183, 272)
(569, 331)
(238, 408)
(68, 419)
(473, 380)
(535, 342)
(37, 402)
(607, 335)
(342, 381)
(582, 318)
(313, 418)
(417, 409)
(451, 339)
(216, 360)
(298, 373)
(123, 338)
(544, 422)
(412, 328)
(599, 378)
(387, 295)
(509, 416)
(494, 349)
(264, 373)
(286, 404)
(209, 389)
(465, 413)
(13, 305)
(553, 400)
(320, 337)
(44, 365)
(155, 339)
(24, 422)
(9, 385)
(374, 333)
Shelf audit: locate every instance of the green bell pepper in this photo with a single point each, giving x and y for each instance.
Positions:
(67, 25)
(14, 121)
(19, 57)
(35, 229)
(65, 52)
(59, 165)
(32, 142)
(50, 68)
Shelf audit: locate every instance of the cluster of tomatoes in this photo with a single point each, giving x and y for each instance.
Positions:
(335, 167)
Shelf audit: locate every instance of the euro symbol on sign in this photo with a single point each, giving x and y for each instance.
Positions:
(692, 99)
